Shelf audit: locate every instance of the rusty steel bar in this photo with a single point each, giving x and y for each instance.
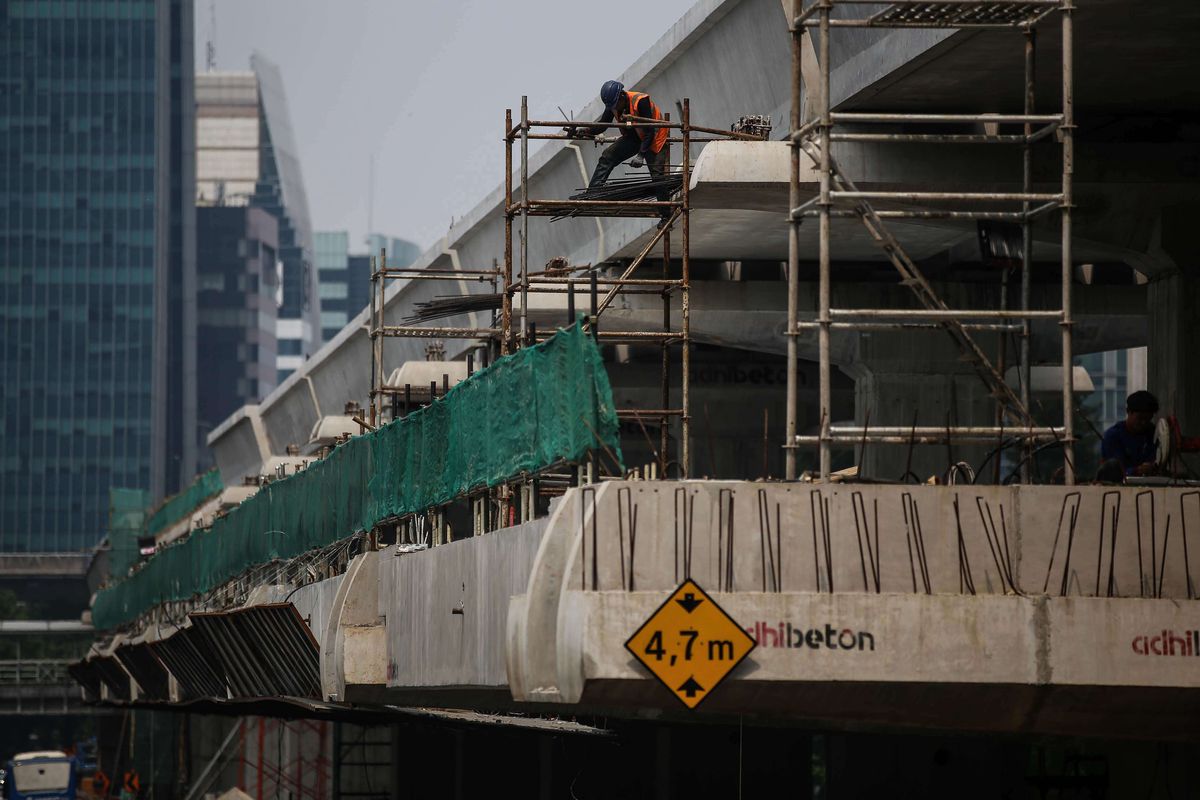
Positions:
(939, 313)
(585, 204)
(649, 412)
(870, 23)
(452, 333)
(847, 213)
(1023, 370)
(636, 262)
(825, 402)
(1051, 4)
(914, 197)
(560, 289)
(1067, 133)
(506, 300)
(793, 273)
(932, 138)
(891, 326)
(685, 297)
(642, 122)
(666, 282)
(965, 430)
(855, 116)
(371, 325)
(940, 436)
(665, 351)
(524, 217)
(439, 274)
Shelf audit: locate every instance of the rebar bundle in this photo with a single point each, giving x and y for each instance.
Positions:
(453, 305)
(632, 188)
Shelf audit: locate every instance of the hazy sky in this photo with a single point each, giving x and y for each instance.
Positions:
(423, 88)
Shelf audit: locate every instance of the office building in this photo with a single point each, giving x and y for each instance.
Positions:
(96, 263)
(345, 278)
(246, 156)
(236, 286)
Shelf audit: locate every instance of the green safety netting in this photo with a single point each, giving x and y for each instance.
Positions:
(525, 412)
(126, 522)
(179, 506)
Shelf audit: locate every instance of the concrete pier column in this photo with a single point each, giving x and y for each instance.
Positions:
(902, 376)
(1174, 346)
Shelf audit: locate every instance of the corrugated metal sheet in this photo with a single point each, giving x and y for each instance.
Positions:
(87, 676)
(151, 676)
(264, 651)
(113, 675)
(183, 654)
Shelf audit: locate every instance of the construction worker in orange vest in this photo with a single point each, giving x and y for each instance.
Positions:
(641, 144)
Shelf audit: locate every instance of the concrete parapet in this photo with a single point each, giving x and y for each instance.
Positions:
(1014, 600)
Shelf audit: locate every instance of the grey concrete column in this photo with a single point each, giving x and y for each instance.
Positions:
(1173, 370)
(902, 376)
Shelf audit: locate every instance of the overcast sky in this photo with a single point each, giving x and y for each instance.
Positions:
(423, 88)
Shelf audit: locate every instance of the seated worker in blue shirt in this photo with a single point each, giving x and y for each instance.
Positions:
(1131, 441)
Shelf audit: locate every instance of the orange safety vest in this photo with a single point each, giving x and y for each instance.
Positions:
(660, 134)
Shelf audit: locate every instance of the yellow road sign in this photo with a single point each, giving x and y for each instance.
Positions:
(690, 644)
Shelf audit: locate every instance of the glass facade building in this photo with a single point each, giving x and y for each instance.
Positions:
(237, 283)
(97, 264)
(246, 155)
(345, 287)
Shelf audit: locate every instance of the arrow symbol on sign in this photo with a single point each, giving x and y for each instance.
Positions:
(689, 602)
(690, 687)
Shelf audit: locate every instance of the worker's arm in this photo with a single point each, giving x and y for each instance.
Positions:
(590, 130)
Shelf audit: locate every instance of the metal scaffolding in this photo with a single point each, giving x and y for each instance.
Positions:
(379, 330)
(838, 197)
(675, 211)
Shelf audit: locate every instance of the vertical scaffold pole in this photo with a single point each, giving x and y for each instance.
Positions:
(372, 329)
(685, 444)
(793, 269)
(524, 218)
(506, 300)
(823, 318)
(665, 421)
(1068, 169)
(1027, 233)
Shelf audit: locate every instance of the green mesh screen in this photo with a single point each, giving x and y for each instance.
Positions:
(176, 508)
(126, 522)
(525, 412)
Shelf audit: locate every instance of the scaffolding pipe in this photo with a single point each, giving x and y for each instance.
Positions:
(524, 217)
(949, 314)
(685, 298)
(506, 301)
(1023, 372)
(793, 273)
(826, 176)
(1067, 132)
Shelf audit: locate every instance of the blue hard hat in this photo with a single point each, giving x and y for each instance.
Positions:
(610, 91)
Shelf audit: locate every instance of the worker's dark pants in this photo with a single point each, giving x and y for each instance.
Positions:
(625, 148)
